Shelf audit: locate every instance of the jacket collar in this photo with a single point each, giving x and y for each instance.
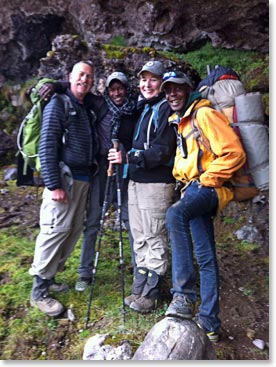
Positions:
(192, 104)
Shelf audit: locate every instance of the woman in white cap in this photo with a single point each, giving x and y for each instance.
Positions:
(151, 187)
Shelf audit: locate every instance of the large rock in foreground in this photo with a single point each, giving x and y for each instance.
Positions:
(175, 339)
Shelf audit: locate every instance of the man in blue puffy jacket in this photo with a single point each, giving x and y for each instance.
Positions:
(67, 166)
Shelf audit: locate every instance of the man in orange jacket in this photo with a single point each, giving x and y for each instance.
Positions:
(206, 158)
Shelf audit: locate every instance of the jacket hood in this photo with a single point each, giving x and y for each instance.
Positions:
(194, 102)
(194, 96)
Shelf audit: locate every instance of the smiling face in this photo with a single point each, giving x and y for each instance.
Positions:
(176, 95)
(117, 92)
(81, 80)
(149, 84)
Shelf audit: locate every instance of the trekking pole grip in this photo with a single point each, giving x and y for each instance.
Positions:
(110, 167)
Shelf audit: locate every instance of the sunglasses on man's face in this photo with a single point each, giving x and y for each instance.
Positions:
(172, 74)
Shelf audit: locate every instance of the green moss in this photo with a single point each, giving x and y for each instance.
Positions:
(243, 62)
(118, 41)
(246, 246)
(120, 52)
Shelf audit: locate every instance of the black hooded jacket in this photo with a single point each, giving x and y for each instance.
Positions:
(153, 163)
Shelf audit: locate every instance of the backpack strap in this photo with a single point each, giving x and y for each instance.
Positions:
(200, 138)
(181, 142)
(153, 118)
(69, 110)
(146, 109)
(155, 112)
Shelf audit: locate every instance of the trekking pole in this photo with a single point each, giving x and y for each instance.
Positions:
(101, 233)
(121, 252)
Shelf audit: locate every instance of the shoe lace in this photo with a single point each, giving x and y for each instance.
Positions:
(179, 298)
(49, 301)
(82, 283)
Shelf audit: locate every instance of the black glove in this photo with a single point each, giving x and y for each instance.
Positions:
(137, 158)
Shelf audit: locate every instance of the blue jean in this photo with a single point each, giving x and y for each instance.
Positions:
(190, 226)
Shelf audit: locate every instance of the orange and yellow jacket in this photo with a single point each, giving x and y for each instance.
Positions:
(219, 164)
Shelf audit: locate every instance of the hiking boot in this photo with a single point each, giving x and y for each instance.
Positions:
(48, 305)
(82, 284)
(139, 281)
(131, 298)
(150, 295)
(181, 307)
(59, 287)
(212, 335)
(144, 304)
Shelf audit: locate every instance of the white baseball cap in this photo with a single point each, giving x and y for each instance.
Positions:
(117, 75)
(154, 67)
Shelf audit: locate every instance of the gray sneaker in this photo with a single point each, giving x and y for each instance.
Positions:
(82, 284)
(48, 305)
(181, 307)
(131, 298)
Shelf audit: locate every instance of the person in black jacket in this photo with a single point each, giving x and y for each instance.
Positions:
(151, 187)
(67, 165)
(119, 116)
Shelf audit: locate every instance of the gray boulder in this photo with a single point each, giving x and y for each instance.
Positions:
(175, 339)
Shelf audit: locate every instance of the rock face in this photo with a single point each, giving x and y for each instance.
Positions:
(175, 339)
(68, 49)
(29, 26)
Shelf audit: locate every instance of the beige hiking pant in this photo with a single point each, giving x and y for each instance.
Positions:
(147, 206)
(61, 225)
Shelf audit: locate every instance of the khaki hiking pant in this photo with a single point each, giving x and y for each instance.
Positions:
(61, 225)
(147, 206)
